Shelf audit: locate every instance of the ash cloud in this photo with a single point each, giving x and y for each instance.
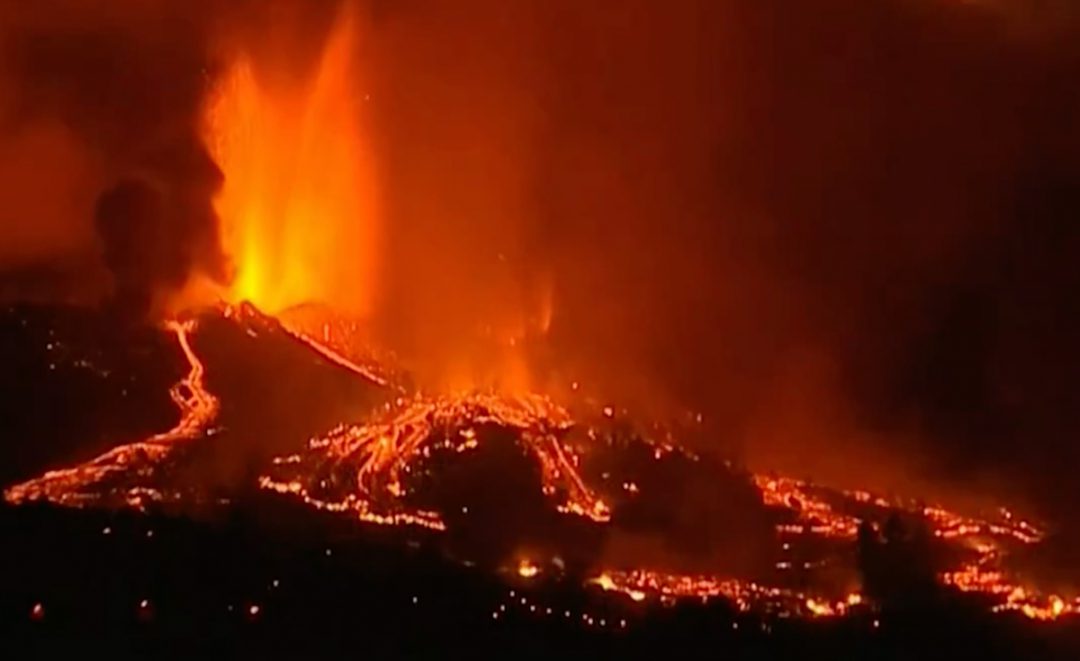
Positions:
(100, 141)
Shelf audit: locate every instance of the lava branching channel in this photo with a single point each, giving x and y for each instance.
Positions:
(982, 544)
(819, 514)
(125, 470)
(139, 473)
(364, 469)
(374, 471)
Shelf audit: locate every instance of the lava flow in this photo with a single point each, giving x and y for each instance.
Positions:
(373, 471)
(76, 486)
(374, 457)
(639, 585)
(369, 370)
(817, 514)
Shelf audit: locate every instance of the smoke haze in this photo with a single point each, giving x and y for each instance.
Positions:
(98, 97)
(841, 229)
(844, 230)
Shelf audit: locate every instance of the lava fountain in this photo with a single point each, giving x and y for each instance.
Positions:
(299, 209)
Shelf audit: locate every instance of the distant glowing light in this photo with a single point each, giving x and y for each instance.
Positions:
(1057, 606)
(527, 569)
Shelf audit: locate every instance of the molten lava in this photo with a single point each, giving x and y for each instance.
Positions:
(639, 585)
(380, 454)
(335, 352)
(76, 486)
(299, 209)
(364, 471)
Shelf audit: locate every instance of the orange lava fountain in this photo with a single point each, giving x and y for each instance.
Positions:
(299, 209)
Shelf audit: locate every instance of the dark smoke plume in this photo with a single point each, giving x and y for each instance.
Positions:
(110, 97)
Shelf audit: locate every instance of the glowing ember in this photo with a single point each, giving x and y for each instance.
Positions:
(526, 569)
(73, 486)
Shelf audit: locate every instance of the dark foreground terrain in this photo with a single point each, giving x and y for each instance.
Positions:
(78, 582)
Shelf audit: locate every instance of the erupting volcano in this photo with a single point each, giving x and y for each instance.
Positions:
(532, 314)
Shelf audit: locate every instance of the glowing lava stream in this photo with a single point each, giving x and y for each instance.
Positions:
(248, 311)
(818, 517)
(373, 459)
(198, 407)
(378, 455)
(335, 357)
(745, 595)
